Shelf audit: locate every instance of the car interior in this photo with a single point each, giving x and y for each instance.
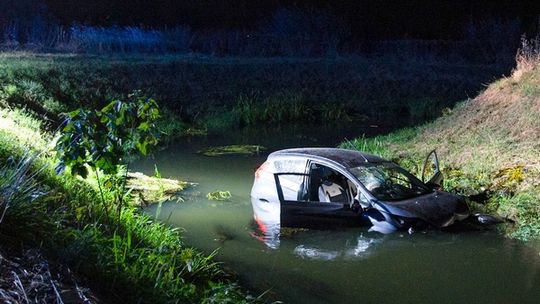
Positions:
(328, 185)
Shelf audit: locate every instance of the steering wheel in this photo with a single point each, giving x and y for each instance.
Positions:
(386, 189)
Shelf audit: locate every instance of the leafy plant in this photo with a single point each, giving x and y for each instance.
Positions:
(106, 140)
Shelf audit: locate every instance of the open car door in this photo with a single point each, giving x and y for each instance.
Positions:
(299, 208)
(431, 172)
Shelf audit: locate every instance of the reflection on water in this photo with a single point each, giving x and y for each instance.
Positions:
(359, 250)
(270, 234)
(345, 265)
(315, 253)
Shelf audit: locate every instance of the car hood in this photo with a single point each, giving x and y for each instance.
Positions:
(437, 208)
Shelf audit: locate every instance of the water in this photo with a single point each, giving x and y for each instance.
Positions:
(347, 265)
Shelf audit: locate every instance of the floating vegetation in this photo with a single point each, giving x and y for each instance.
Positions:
(290, 231)
(195, 132)
(148, 190)
(232, 150)
(219, 195)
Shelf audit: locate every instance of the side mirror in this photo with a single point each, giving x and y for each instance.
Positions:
(431, 173)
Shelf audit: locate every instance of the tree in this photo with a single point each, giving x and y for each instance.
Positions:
(106, 140)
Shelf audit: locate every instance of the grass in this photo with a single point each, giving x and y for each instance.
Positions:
(137, 261)
(489, 147)
(235, 92)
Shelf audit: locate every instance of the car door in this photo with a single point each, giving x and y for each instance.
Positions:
(431, 173)
(305, 209)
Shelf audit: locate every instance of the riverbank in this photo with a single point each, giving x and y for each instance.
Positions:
(213, 94)
(489, 148)
(129, 258)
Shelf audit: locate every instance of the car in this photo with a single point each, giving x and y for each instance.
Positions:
(304, 187)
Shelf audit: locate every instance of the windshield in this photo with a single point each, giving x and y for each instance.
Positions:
(389, 182)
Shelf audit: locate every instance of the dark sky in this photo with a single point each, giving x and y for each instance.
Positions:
(381, 18)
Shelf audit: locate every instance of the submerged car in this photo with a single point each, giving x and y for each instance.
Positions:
(315, 186)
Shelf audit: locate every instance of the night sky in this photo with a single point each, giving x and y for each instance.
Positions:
(383, 19)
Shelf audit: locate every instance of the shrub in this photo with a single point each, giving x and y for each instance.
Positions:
(105, 141)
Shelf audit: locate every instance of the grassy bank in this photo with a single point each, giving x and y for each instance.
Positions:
(230, 92)
(489, 147)
(128, 258)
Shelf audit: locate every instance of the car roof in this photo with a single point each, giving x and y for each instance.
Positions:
(347, 158)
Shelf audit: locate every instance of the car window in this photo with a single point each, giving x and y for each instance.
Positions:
(328, 185)
(291, 184)
(389, 182)
(290, 166)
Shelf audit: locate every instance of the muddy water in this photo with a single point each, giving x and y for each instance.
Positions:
(348, 265)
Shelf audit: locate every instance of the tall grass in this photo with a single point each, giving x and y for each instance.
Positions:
(251, 110)
(373, 146)
(18, 185)
(528, 55)
(287, 109)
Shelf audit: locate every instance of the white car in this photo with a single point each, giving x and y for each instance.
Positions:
(318, 186)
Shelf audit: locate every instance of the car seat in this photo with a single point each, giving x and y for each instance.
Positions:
(332, 192)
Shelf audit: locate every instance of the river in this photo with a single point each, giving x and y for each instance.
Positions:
(345, 265)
